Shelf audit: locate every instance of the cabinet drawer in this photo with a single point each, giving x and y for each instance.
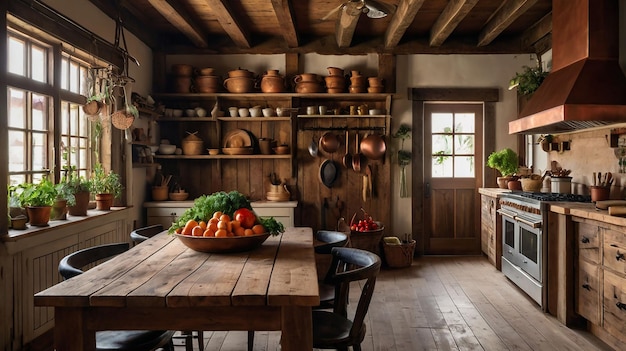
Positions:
(614, 250)
(588, 239)
(165, 211)
(615, 305)
(588, 295)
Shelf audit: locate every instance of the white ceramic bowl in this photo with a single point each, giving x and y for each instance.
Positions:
(244, 112)
(233, 111)
(177, 112)
(190, 112)
(268, 112)
(167, 149)
(255, 112)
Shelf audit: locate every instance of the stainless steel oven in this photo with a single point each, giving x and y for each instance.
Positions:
(524, 239)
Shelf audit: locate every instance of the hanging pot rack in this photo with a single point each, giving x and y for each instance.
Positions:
(344, 128)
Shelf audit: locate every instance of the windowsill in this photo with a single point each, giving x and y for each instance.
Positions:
(30, 231)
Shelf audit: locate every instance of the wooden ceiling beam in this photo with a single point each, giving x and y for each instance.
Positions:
(401, 20)
(230, 24)
(504, 16)
(286, 19)
(179, 18)
(537, 31)
(452, 15)
(346, 23)
(130, 19)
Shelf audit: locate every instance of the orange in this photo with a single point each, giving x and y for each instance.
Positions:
(248, 232)
(214, 220)
(213, 226)
(225, 218)
(235, 224)
(202, 225)
(178, 230)
(259, 229)
(239, 231)
(222, 225)
(208, 232)
(221, 233)
(197, 231)
(217, 214)
(189, 227)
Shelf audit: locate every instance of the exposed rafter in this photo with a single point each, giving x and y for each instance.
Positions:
(401, 20)
(506, 14)
(452, 15)
(346, 23)
(131, 18)
(537, 31)
(230, 24)
(286, 19)
(177, 16)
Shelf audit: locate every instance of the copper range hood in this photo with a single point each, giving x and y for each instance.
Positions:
(586, 87)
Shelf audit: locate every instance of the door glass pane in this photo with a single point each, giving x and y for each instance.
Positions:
(39, 152)
(529, 245)
(40, 112)
(442, 167)
(464, 144)
(464, 122)
(442, 122)
(464, 166)
(442, 144)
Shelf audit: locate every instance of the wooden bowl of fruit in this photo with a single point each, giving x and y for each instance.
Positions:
(223, 245)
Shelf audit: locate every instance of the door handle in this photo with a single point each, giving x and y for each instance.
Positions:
(584, 240)
(427, 190)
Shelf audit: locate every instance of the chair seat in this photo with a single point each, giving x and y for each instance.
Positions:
(331, 330)
(132, 339)
(327, 295)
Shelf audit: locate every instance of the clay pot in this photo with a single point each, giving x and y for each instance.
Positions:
(306, 77)
(335, 82)
(207, 84)
(272, 82)
(309, 87)
(239, 84)
(39, 216)
(81, 204)
(182, 70)
(334, 71)
(514, 185)
(375, 81)
(206, 71)
(104, 202)
(240, 73)
(182, 84)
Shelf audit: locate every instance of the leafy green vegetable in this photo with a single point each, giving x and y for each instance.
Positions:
(204, 207)
(273, 226)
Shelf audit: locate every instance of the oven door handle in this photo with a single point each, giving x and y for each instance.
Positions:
(506, 213)
(528, 223)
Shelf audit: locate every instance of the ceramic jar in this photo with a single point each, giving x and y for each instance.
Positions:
(307, 83)
(239, 84)
(357, 83)
(272, 82)
(240, 73)
(207, 84)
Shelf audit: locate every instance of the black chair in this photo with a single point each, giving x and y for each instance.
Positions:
(131, 340)
(330, 239)
(140, 235)
(333, 329)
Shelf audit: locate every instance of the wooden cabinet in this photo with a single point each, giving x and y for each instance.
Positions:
(491, 230)
(601, 278)
(249, 174)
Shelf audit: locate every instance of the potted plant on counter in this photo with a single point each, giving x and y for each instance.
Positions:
(505, 161)
(106, 186)
(37, 199)
(76, 190)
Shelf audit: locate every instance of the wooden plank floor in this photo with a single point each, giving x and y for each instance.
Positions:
(443, 303)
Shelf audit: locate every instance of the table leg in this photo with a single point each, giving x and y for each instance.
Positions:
(297, 328)
(70, 332)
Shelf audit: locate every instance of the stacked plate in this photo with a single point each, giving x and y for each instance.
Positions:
(238, 142)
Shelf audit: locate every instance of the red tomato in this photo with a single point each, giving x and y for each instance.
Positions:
(245, 217)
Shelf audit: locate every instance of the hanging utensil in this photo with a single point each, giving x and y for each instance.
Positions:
(313, 147)
(347, 158)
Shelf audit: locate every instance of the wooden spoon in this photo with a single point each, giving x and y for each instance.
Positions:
(356, 158)
(347, 158)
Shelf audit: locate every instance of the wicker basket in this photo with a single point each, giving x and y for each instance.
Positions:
(192, 147)
(399, 256)
(369, 240)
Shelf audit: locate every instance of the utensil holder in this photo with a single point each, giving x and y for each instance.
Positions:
(600, 193)
(160, 193)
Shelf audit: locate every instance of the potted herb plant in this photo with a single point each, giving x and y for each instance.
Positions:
(106, 186)
(529, 80)
(37, 199)
(76, 190)
(505, 161)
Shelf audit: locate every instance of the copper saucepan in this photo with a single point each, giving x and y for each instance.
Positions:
(329, 142)
(373, 146)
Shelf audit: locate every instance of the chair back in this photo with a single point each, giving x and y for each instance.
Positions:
(142, 234)
(72, 264)
(329, 239)
(349, 265)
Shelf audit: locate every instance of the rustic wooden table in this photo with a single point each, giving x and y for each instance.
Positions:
(161, 284)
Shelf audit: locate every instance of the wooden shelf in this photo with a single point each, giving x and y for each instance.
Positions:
(343, 116)
(221, 157)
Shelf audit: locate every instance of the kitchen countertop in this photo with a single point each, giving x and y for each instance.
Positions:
(188, 204)
(586, 210)
(494, 192)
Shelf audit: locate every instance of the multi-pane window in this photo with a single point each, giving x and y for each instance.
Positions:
(34, 124)
(453, 144)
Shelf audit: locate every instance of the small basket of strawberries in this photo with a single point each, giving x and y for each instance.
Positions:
(366, 233)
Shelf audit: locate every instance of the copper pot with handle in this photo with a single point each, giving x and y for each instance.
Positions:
(373, 146)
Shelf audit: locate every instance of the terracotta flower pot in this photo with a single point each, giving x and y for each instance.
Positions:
(82, 202)
(104, 202)
(59, 209)
(39, 216)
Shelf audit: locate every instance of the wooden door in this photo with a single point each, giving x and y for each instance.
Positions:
(452, 162)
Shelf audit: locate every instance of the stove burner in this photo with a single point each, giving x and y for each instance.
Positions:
(555, 197)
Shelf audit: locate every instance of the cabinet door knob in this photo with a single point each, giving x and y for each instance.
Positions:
(619, 256)
(587, 286)
(584, 240)
(621, 306)
(172, 213)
